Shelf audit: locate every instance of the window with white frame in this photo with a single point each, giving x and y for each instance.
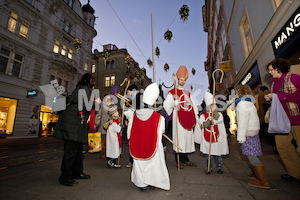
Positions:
(56, 46)
(10, 62)
(246, 36)
(24, 28)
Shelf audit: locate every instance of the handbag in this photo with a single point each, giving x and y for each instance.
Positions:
(279, 122)
(94, 142)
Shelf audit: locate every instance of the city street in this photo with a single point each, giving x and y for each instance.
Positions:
(38, 178)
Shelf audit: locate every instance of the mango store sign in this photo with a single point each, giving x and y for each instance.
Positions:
(288, 30)
(31, 93)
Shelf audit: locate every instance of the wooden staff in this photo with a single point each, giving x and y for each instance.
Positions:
(178, 162)
(211, 115)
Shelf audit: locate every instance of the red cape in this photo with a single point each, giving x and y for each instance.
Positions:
(143, 137)
(186, 114)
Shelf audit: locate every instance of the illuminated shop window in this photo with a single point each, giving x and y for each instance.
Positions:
(8, 109)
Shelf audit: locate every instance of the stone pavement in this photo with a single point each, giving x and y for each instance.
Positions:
(40, 180)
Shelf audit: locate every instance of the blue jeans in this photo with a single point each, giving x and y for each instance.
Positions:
(219, 162)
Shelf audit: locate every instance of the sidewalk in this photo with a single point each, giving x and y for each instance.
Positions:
(40, 180)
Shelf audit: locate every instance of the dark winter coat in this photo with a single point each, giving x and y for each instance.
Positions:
(69, 126)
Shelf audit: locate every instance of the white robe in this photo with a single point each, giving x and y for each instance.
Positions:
(154, 171)
(113, 149)
(185, 137)
(217, 148)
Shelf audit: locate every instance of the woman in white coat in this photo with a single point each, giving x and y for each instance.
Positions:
(247, 135)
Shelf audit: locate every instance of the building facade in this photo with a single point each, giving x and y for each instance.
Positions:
(40, 41)
(254, 33)
(113, 70)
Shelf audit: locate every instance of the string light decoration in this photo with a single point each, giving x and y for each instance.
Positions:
(157, 52)
(184, 13)
(77, 44)
(106, 55)
(168, 35)
(166, 67)
(150, 63)
(193, 71)
(128, 61)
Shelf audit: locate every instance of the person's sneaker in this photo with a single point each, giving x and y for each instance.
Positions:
(143, 189)
(128, 165)
(208, 172)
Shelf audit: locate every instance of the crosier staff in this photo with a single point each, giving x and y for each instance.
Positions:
(211, 115)
(178, 162)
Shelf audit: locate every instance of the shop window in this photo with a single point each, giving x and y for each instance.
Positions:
(246, 36)
(48, 119)
(24, 28)
(8, 109)
(56, 46)
(10, 62)
(12, 21)
(70, 54)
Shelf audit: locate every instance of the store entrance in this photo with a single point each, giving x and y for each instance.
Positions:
(48, 119)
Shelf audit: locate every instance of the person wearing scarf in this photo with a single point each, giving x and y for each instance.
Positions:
(287, 87)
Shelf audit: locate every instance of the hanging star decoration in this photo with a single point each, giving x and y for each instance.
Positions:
(192, 87)
(128, 61)
(157, 52)
(77, 44)
(184, 13)
(168, 35)
(106, 55)
(166, 67)
(193, 71)
(149, 62)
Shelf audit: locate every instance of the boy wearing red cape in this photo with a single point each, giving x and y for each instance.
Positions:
(146, 148)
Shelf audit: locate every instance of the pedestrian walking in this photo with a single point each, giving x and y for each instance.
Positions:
(248, 135)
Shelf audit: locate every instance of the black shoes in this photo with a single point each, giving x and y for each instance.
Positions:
(68, 182)
(289, 177)
(82, 176)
